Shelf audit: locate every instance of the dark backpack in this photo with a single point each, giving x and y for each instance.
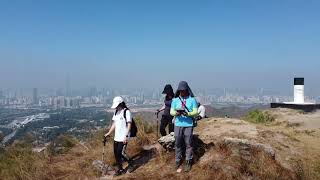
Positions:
(134, 129)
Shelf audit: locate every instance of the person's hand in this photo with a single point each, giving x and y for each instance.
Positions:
(125, 141)
(157, 113)
(185, 114)
(105, 139)
(106, 135)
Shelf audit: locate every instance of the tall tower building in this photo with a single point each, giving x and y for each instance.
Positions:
(68, 89)
(35, 99)
(93, 91)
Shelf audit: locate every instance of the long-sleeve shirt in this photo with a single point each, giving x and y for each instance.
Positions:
(202, 111)
(167, 104)
(186, 104)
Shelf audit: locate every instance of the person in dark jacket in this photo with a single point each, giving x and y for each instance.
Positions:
(166, 119)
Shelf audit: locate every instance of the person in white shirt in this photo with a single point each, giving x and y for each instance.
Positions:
(121, 125)
(201, 111)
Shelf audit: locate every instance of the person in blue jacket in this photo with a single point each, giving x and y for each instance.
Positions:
(184, 108)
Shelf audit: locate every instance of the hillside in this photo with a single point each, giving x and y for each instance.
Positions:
(231, 111)
(226, 149)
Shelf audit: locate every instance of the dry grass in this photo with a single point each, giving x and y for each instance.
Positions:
(215, 162)
(80, 159)
(19, 162)
(74, 162)
(221, 165)
(306, 147)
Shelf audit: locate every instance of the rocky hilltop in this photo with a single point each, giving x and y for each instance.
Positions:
(286, 147)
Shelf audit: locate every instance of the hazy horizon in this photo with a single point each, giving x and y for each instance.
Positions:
(146, 44)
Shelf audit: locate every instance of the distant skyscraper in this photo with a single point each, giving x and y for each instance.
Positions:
(35, 96)
(93, 91)
(68, 90)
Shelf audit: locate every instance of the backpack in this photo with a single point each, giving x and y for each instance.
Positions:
(134, 129)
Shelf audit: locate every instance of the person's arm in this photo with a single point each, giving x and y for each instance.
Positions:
(129, 121)
(129, 128)
(194, 111)
(200, 111)
(111, 129)
(173, 111)
(204, 111)
(162, 108)
(127, 136)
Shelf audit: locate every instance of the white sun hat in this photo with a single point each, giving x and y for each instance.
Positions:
(116, 101)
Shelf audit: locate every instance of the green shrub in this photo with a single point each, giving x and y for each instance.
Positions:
(258, 116)
(62, 144)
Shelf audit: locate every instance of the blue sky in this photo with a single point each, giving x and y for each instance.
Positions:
(234, 43)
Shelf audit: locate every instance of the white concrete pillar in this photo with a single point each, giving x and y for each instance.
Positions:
(298, 90)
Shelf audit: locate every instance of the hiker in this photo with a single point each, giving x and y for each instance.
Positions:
(121, 124)
(184, 108)
(166, 119)
(201, 112)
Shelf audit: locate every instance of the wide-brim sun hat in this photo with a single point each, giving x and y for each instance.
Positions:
(168, 89)
(183, 85)
(116, 101)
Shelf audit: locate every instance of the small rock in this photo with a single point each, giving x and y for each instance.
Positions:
(167, 141)
(105, 169)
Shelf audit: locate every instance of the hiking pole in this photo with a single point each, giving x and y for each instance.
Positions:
(103, 152)
(157, 125)
(104, 145)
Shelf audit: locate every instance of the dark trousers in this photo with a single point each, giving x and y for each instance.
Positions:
(119, 149)
(184, 138)
(166, 120)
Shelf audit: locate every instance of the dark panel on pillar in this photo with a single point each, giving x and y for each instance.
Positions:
(298, 81)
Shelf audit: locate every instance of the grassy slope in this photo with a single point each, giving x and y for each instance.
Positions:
(20, 163)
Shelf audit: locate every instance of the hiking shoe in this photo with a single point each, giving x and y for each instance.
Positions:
(130, 168)
(119, 172)
(187, 167)
(178, 164)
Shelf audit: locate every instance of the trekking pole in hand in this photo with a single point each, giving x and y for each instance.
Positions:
(104, 145)
(103, 152)
(157, 113)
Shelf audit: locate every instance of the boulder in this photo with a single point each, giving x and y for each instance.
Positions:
(167, 142)
(244, 147)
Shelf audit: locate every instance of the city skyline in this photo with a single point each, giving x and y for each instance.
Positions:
(96, 97)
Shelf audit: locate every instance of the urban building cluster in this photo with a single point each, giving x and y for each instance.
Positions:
(103, 97)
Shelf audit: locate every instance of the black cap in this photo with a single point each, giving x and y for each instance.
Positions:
(168, 89)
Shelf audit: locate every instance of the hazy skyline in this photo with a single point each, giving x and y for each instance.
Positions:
(211, 44)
